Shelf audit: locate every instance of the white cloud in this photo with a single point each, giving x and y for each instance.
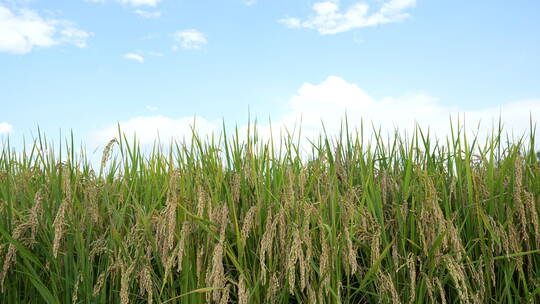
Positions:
(135, 57)
(5, 128)
(148, 128)
(151, 108)
(148, 14)
(250, 2)
(22, 31)
(329, 101)
(334, 97)
(190, 39)
(328, 19)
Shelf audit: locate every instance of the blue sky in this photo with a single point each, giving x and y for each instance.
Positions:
(153, 65)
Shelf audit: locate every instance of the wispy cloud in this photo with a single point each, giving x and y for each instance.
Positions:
(151, 3)
(329, 19)
(148, 14)
(151, 108)
(156, 54)
(23, 30)
(250, 2)
(140, 2)
(150, 36)
(189, 39)
(5, 128)
(135, 57)
(75, 36)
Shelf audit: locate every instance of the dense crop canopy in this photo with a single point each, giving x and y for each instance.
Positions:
(240, 220)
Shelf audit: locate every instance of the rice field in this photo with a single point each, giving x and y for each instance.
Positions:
(351, 218)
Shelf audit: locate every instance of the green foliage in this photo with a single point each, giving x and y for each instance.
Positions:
(242, 220)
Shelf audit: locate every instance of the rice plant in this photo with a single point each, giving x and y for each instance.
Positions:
(231, 219)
